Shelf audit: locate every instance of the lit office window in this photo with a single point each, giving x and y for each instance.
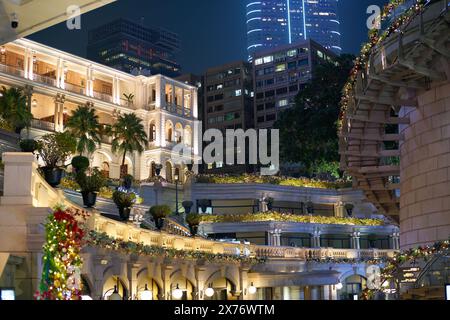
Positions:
(283, 103)
(268, 59)
(238, 93)
(280, 67)
(292, 53)
(259, 61)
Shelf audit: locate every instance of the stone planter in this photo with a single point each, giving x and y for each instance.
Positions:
(124, 213)
(53, 176)
(89, 199)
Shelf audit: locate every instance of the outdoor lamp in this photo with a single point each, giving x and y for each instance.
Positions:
(176, 177)
(209, 292)
(34, 103)
(2, 50)
(252, 289)
(146, 294)
(115, 295)
(177, 293)
(339, 286)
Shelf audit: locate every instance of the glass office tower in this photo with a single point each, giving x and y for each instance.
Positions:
(271, 23)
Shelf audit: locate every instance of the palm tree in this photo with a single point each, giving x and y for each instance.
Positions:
(14, 108)
(83, 124)
(128, 136)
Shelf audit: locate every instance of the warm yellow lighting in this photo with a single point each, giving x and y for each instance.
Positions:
(146, 294)
(209, 292)
(177, 293)
(252, 289)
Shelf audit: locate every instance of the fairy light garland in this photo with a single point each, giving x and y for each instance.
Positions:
(393, 264)
(375, 38)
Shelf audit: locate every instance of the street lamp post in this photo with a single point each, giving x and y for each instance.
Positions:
(177, 177)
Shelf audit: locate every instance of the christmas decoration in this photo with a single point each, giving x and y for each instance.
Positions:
(61, 279)
(375, 38)
(392, 266)
(102, 240)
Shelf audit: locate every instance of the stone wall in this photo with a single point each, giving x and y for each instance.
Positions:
(425, 170)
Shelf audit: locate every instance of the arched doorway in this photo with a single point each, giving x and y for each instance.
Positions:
(352, 287)
(178, 133)
(181, 288)
(147, 283)
(222, 289)
(169, 172)
(169, 131)
(105, 169)
(111, 284)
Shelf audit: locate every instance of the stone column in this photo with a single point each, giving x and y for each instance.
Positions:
(355, 237)
(244, 283)
(194, 100)
(59, 112)
(165, 275)
(315, 293)
(339, 210)
(132, 270)
(26, 61)
(316, 238)
(395, 241)
(200, 277)
(31, 66)
(28, 90)
(162, 131)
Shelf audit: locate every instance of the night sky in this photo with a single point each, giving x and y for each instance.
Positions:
(212, 32)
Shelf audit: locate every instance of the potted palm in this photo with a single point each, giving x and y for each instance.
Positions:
(159, 214)
(128, 136)
(90, 185)
(130, 99)
(124, 202)
(193, 220)
(187, 205)
(54, 150)
(83, 124)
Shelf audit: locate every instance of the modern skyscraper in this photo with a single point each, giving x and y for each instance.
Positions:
(133, 48)
(271, 23)
(279, 75)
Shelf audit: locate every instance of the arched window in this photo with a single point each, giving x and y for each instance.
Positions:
(168, 172)
(105, 169)
(152, 133)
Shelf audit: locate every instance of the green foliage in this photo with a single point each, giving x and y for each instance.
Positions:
(193, 219)
(55, 148)
(123, 199)
(158, 212)
(83, 124)
(14, 109)
(280, 217)
(80, 163)
(92, 182)
(129, 97)
(28, 145)
(308, 131)
(128, 135)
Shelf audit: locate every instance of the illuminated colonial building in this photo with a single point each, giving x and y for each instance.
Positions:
(57, 82)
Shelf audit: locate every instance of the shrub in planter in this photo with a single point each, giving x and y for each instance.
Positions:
(127, 181)
(28, 145)
(54, 150)
(204, 204)
(80, 163)
(187, 205)
(193, 220)
(349, 208)
(124, 202)
(90, 185)
(269, 202)
(159, 213)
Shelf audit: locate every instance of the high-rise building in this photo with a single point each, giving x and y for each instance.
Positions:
(228, 104)
(135, 49)
(279, 75)
(271, 23)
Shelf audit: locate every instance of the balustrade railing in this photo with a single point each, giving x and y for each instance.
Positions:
(43, 125)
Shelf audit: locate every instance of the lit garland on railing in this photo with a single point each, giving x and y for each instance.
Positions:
(280, 217)
(275, 180)
(102, 240)
(393, 264)
(61, 279)
(375, 37)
